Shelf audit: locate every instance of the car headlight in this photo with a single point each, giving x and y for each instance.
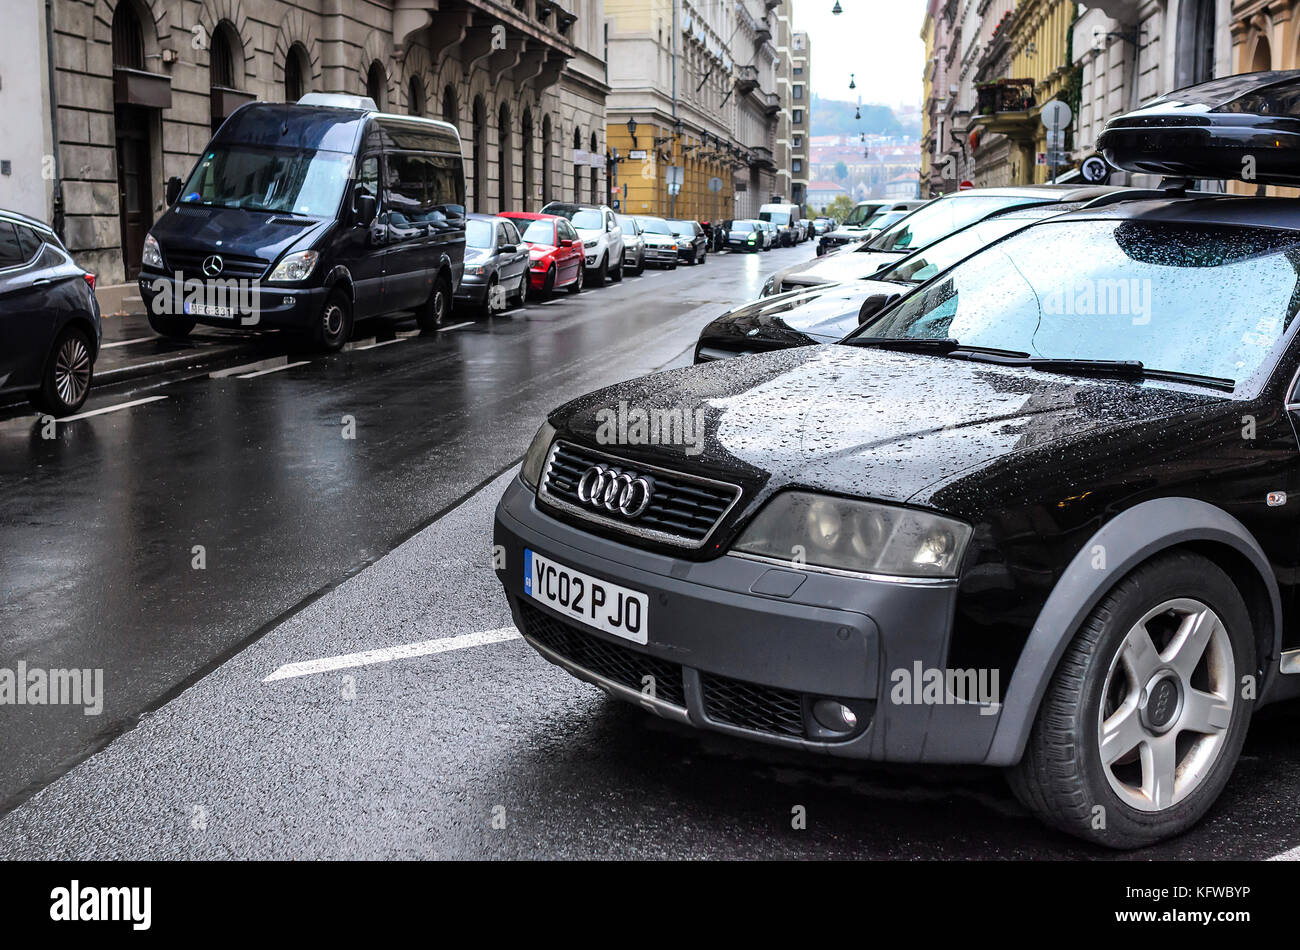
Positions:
(473, 269)
(295, 267)
(588, 244)
(860, 536)
(769, 288)
(535, 457)
(152, 254)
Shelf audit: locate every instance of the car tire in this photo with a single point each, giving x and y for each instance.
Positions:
(704, 256)
(174, 328)
(1177, 617)
(437, 308)
(486, 309)
(548, 283)
(616, 273)
(522, 293)
(602, 272)
(67, 374)
(576, 286)
(640, 267)
(334, 325)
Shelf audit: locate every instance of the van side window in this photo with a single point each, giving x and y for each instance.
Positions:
(368, 175)
(407, 190)
(448, 188)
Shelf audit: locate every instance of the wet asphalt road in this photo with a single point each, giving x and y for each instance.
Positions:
(318, 545)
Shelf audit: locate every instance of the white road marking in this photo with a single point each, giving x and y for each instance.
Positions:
(273, 369)
(387, 654)
(100, 412)
(1292, 855)
(139, 339)
(552, 302)
(371, 346)
(506, 313)
(456, 326)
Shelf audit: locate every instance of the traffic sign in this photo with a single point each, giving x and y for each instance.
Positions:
(1094, 170)
(715, 185)
(1056, 115)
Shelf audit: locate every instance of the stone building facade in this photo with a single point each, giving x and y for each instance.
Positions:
(139, 85)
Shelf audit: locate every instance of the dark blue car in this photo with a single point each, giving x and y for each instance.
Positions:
(309, 217)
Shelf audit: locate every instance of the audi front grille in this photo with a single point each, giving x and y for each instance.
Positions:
(682, 510)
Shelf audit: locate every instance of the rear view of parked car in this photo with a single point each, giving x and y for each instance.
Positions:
(49, 319)
(309, 217)
(496, 265)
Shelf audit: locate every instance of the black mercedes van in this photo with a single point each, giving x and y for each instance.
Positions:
(307, 217)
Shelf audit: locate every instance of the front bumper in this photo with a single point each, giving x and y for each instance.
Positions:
(743, 646)
(473, 288)
(254, 305)
(660, 255)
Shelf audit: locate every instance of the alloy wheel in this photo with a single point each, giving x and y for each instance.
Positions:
(72, 370)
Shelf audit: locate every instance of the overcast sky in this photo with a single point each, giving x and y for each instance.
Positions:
(878, 40)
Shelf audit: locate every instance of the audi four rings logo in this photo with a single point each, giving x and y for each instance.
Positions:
(212, 265)
(624, 492)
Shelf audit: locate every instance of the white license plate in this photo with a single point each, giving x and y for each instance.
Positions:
(204, 310)
(597, 603)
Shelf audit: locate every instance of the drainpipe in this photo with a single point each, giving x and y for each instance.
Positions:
(56, 216)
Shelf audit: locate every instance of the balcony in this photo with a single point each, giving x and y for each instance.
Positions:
(746, 79)
(1007, 106)
(761, 157)
(771, 103)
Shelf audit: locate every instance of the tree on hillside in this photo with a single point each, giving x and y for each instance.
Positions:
(839, 208)
(841, 171)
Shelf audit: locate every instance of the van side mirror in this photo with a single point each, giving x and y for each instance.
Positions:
(874, 305)
(174, 186)
(365, 205)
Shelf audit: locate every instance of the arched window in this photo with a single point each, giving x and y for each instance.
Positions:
(480, 154)
(221, 58)
(577, 169)
(1263, 58)
(377, 85)
(546, 159)
(297, 69)
(415, 96)
(595, 173)
(526, 143)
(128, 38)
(450, 112)
(505, 160)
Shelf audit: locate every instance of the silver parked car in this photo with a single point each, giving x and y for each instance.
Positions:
(496, 265)
(633, 244)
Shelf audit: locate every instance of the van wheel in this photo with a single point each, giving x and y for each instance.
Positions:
(334, 325)
(176, 328)
(576, 286)
(1143, 720)
(437, 308)
(65, 380)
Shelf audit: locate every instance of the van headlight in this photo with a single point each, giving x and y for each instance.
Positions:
(860, 536)
(535, 457)
(151, 256)
(295, 267)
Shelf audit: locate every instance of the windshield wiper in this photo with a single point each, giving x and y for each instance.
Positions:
(944, 346)
(1119, 369)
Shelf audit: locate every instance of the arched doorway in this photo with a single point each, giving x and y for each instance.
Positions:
(505, 160)
(480, 155)
(1263, 58)
(297, 70)
(546, 159)
(415, 98)
(450, 111)
(132, 126)
(577, 169)
(595, 172)
(529, 192)
(222, 80)
(377, 85)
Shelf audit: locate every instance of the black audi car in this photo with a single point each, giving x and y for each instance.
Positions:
(1037, 515)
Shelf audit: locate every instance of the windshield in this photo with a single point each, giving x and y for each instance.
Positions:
(626, 223)
(776, 217)
(1205, 300)
(742, 226)
(940, 218)
(478, 233)
(683, 227)
(861, 214)
(920, 266)
(297, 181)
(585, 218)
(539, 232)
(655, 226)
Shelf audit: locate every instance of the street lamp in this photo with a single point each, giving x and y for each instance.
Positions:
(837, 9)
(857, 113)
(631, 130)
(852, 83)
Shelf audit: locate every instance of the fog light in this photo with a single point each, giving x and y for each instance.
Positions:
(834, 716)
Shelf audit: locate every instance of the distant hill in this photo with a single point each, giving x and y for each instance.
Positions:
(834, 117)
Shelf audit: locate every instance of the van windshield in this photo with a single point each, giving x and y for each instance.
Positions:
(297, 181)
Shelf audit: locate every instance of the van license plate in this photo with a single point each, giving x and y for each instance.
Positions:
(590, 600)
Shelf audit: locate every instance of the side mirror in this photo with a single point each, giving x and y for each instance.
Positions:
(507, 249)
(874, 305)
(566, 242)
(174, 186)
(365, 205)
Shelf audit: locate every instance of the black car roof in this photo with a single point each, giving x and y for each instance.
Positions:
(1227, 210)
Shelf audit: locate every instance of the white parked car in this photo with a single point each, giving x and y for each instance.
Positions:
(602, 238)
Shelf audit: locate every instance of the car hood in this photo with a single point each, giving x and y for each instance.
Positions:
(196, 229)
(822, 313)
(660, 239)
(538, 249)
(846, 265)
(893, 426)
(477, 254)
(589, 234)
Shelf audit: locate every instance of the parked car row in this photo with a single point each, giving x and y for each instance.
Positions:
(1012, 518)
(865, 220)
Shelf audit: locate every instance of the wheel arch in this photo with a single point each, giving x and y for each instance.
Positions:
(340, 277)
(1116, 549)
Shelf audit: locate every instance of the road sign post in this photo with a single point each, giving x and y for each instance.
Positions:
(1055, 116)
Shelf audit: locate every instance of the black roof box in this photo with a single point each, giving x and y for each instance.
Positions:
(1245, 127)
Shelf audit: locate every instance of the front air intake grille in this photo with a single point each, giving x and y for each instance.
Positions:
(753, 706)
(682, 510)
(609, 660)
(233, 267)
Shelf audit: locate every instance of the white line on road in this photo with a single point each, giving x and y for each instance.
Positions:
(139, 339)
(371, 346)
(273, 369)
(387, 654)
(456, 326)
(100, 412)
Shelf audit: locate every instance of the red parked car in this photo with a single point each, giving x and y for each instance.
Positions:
(554, 252)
